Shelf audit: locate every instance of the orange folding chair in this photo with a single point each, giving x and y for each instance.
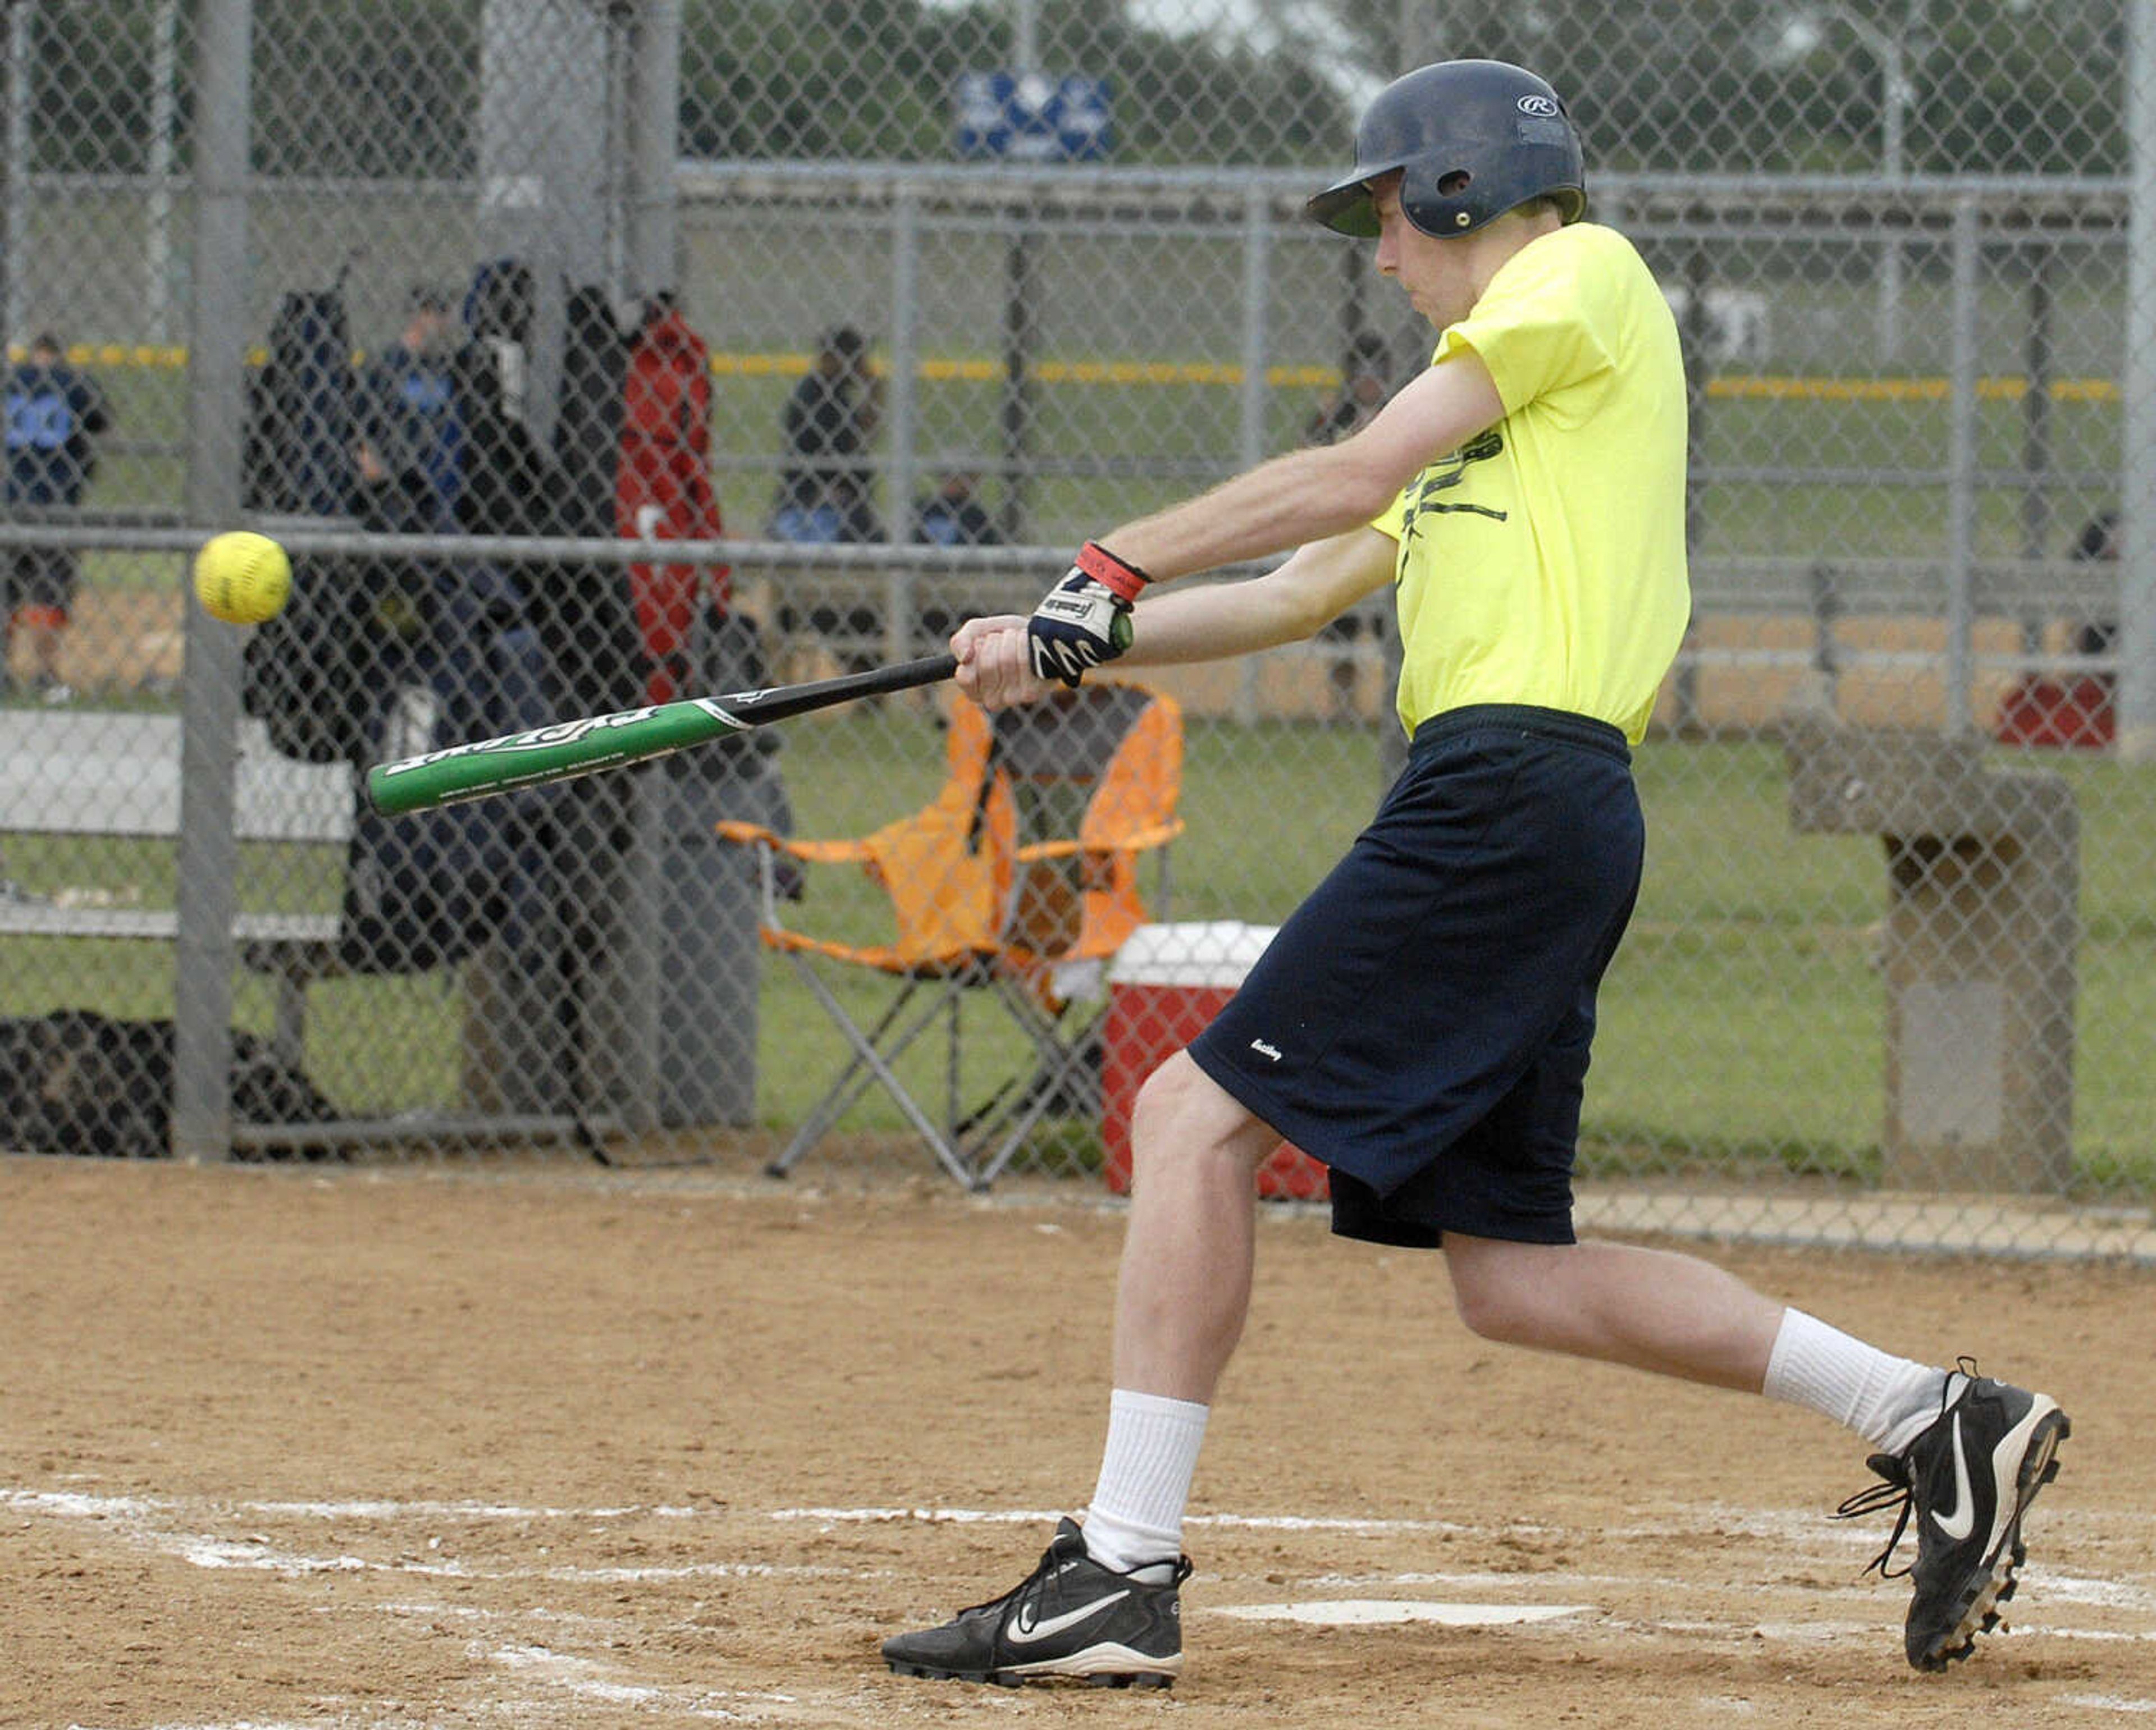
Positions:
(1017, 880)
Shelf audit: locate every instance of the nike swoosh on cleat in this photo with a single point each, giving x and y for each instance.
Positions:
(1024, 1631)
(1963, 1521)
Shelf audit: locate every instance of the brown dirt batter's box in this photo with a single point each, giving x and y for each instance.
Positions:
(535, 1444)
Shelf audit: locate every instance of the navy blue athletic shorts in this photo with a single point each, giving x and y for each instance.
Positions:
(1421, 1023)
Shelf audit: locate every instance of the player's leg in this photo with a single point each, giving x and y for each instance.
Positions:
(1103, 1605)
(13, 592)
(1964, 1456)
(1677, 1315)
(1184, 1288)
(42, 627)
(44, 618)
(1649, 1309)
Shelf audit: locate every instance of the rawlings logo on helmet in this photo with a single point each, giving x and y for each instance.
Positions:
(1547, 106)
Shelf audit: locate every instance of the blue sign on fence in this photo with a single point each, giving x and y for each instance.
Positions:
(1030, 117)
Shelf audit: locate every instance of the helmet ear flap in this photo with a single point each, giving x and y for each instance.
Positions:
(1439, 201)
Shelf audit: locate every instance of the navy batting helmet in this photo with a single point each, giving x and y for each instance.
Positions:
(1470, 140)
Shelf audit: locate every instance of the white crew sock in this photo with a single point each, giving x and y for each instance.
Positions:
(1887, 1400)
(1135, 1518)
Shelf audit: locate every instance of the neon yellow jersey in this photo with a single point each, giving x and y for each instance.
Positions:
(1543, 561)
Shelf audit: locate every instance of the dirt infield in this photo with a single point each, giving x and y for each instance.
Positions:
(389, 1448)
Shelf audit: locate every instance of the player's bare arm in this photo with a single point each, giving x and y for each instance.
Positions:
(1085, 620)
(1292, 602)
(1197, 622)
(1310, 495)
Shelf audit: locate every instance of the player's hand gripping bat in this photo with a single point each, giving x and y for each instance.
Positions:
(567, 749)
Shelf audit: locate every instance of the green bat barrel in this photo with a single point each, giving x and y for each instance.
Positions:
(545, 753)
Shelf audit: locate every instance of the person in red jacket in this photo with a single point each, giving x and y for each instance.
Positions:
(664, 490)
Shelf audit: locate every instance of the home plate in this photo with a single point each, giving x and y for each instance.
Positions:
(1379, 1612)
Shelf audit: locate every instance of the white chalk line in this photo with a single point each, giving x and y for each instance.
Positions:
(142, 1519)
(370, 1723)
(584, 1679)
(560, 1677)
(257, 1551)
(1392, 1612)
(90, 1503)
(1710, 1519)
(1049, 1516)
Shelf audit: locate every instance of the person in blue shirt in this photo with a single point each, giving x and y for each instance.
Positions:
(409, 436)
(830, 423)
(54, 416)
(953, 515)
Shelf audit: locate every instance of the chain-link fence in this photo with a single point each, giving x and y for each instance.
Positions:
(878, 308)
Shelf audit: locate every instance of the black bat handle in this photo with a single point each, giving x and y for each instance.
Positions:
(777, 704)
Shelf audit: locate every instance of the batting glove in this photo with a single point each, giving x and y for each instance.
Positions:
(1086, 619)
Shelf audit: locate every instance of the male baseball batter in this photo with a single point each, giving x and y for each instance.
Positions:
(1421, 1024)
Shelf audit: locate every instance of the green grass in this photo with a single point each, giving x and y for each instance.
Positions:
(1742, 1025)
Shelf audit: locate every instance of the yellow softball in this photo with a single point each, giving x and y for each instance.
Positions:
(242, 578)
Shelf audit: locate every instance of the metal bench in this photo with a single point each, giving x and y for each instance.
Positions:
(103, 773)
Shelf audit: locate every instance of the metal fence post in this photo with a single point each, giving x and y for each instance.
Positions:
(2037, 368)
(1257, 338)
(2137, 476)
(905, 393)
(901, 603)
(1961, 471)
(209, 714)
(1017, 393)
(654, 120)
(1697, 329)
(15, 177)
(542, 164)
(164, 105)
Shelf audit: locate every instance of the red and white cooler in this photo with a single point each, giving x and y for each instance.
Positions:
(1164, 986)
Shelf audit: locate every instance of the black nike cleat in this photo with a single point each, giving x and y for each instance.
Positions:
(1966, 1482)
(1069, 1618)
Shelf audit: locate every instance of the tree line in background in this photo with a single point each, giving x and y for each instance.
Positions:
(387, 89)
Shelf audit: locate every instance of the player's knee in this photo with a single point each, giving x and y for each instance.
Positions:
(1183, 1113)
(1497, 1296)
(1487, 1313)
(1167, 1096)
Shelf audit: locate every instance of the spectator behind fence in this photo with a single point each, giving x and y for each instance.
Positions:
(2097, 544)
(829, 422)
(2072, 709)
(663, 491)
(823, 494)
(1366, 380)
(408, 438)
(951, 515)
(297, 456)
(1365, 383)
(54, 416)
(585, 615)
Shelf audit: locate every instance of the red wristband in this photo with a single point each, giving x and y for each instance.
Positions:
(1110, 572)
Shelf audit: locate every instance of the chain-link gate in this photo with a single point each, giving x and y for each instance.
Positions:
(877, 309)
